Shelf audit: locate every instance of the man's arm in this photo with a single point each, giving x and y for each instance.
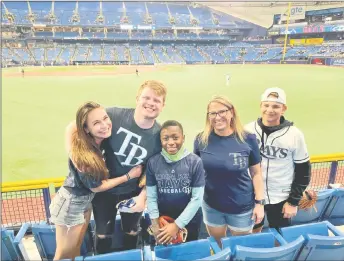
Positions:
(302, 172)
(300, 182)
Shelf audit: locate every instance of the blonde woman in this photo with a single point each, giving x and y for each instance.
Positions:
(233, 195)
(71, 207)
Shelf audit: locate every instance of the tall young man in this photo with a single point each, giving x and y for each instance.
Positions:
(135, 137)
(285, 161)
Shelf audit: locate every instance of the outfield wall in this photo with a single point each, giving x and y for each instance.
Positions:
(312, 60)
(28, 201)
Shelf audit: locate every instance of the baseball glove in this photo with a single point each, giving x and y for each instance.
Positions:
(181, 235)
(308, 200)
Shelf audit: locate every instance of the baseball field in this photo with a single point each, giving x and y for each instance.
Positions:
(37, 108)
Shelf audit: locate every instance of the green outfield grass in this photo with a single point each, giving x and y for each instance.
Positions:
(36, 110)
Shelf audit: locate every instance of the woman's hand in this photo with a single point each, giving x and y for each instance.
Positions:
(258, 213)
(135, 172)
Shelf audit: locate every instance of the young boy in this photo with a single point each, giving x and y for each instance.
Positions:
(175, 186)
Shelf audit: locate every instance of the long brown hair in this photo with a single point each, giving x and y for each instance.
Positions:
(85, 153)
(235, 122)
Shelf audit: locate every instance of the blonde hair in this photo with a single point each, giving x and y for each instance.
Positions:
(158, 87)
(235, 122)
(85, 153)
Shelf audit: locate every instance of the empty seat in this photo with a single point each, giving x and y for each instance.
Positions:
(45, 239)
(195, 250)
(260, 247)
(311, 215)
(11, 246)
(319, 245)
(335, 210)
(130, 255)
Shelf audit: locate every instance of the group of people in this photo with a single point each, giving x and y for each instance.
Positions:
(121, 159)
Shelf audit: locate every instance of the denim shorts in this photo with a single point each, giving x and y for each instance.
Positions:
(236, 222)
(68, 209)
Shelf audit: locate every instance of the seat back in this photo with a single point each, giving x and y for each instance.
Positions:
(304, 216)
(183, 252)
(323, 248)
(12, 248)
(264, 240)
(293, 232)
(45, 239)
(223, 255)
(334, 212)
(130, 255)
(8, 250)
(286, 252)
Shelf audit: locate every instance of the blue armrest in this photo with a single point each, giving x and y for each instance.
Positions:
(278, 237)
(333, 229)
(21, 233)
(213, 244)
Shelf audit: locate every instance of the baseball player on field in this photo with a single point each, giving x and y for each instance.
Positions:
(228, 79)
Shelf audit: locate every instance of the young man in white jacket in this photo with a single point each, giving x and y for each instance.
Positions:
(285, 161)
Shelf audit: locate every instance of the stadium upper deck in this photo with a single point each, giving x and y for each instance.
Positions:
(58, 32)
(116, 13)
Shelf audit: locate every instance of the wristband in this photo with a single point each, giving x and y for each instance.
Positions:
(128, 177)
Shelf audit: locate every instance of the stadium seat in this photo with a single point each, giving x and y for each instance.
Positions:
(130, 255)
(12, 247)
(284, 252)
(259, 247)
(263, 240)
(45, 240)
(312, 215)
(195, 250)
(318, 244)
(335, 210)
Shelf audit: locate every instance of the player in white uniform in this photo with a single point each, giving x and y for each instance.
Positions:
(228, 78)
(285, 161)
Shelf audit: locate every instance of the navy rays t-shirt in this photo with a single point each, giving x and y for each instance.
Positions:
(226, 161)
(174, 182)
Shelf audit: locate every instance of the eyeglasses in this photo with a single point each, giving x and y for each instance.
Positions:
(212, 115)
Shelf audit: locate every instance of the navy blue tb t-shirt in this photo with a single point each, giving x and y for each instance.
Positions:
(226, 161)
(79, 183)
(174, 182)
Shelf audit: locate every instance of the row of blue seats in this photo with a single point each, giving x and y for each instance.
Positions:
(303, 242)
(330, 206)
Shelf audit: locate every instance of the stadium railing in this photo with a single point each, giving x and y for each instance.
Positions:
(28, 201)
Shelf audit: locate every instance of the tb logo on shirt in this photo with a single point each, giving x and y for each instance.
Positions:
(135, 148)
(238, 160)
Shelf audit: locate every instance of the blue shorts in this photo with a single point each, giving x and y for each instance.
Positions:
(236, 222)
(68, 209)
